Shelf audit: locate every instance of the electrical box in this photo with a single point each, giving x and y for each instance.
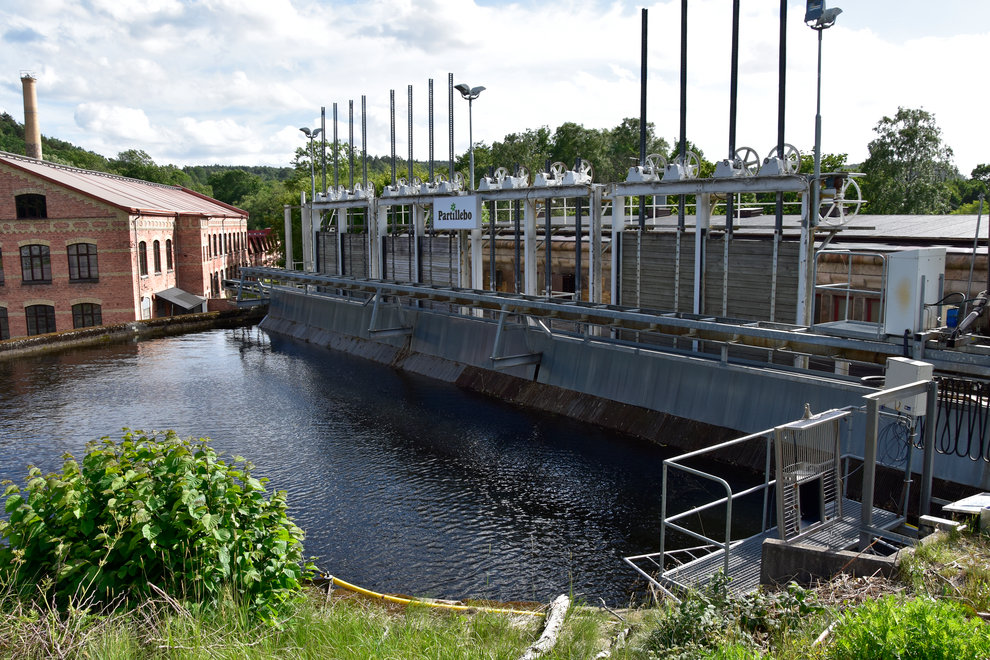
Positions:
(902, 371)
(913, 282)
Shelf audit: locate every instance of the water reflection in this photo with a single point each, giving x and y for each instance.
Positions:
(403, 484)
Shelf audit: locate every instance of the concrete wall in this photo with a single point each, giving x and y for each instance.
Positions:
(739, 398)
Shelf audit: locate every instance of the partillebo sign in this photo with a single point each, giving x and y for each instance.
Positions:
(461, 212)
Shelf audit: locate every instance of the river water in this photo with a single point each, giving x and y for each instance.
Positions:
(402, 483)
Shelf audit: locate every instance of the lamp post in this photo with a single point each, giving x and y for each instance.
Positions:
(819, 19)
(312, 135)
(470, 93)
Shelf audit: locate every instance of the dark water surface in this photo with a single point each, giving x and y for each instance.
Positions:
(402, 483)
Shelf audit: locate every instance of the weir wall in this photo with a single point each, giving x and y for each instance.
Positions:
(681, 401)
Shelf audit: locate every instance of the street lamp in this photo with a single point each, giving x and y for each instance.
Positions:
(312, 135)
(819, 19)
(470, 93)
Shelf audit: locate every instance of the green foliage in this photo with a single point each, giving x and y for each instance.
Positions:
(717, 623)
(904, 629)
(908, 166)
(151, 510)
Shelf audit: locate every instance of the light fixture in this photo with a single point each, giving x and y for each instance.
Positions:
(818, 18)
(469, 93)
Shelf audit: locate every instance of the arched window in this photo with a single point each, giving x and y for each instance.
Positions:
(86, 315)
(156, 251)
(36, 264)
(143, 258)
(40, 319)
(83, 265)
(30, 206)
(168, 254)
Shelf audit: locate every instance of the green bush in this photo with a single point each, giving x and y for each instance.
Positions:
(152, 509)
(906, 629)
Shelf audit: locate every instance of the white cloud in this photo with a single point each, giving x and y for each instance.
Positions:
(176, 78)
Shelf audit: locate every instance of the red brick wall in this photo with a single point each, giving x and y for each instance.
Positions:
(73, 217)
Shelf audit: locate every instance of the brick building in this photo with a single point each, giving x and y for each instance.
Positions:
(81, 248)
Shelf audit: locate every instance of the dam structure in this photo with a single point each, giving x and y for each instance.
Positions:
(385, 282)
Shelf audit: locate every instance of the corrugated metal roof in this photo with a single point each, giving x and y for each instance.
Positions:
(131, 195)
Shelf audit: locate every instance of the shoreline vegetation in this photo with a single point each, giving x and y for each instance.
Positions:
(153, 546)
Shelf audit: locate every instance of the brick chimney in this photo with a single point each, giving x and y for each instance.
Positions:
(32, 131)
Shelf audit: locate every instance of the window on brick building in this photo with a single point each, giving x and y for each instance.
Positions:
(143, 258)
(86, 315)
(156, 250)
(82, 262)
(168, 254)
(40, 319)
(1, 267)
(31, 205)
(4, 326)
(36, 264)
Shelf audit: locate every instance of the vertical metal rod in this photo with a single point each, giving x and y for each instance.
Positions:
(364, 143)
(350, 144)
(976, 242)
(431, 129)
(663, 514)
(578, 247)
(410, 135)
(733, 106)
(869, 471)
(391, 98)
(683, 118)
(642, 95)
(336, 151)
(642, 118)
(928, 467)
(450, 123)
(323, 133)
(781, 78)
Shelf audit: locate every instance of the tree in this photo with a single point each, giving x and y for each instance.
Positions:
(622, 149)
(908, 166)
(233, 186)
(572, 141)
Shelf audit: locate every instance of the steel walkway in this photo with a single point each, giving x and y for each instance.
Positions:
(745, 555)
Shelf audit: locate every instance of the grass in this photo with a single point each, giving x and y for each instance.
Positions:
(929, 612)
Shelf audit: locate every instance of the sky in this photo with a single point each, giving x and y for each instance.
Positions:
(231, 81)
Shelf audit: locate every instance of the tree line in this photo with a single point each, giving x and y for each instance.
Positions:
(909, 169)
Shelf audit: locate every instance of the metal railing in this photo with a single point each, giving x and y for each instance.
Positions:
(849, 291)
(726, 542)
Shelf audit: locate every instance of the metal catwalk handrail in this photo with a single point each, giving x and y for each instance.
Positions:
(700, 327)
(726, 545)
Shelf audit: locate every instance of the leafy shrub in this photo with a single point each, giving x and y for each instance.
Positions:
(152, 509)
(905, 629)
(715, 622)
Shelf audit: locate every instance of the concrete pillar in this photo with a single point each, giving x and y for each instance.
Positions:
(530, 277)
(419, 225)
(477, 260)
(307, 233)
(806, 266)
(703, 217)
(464, 259)
(287, 210)
(618, 222)
(595, 246)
